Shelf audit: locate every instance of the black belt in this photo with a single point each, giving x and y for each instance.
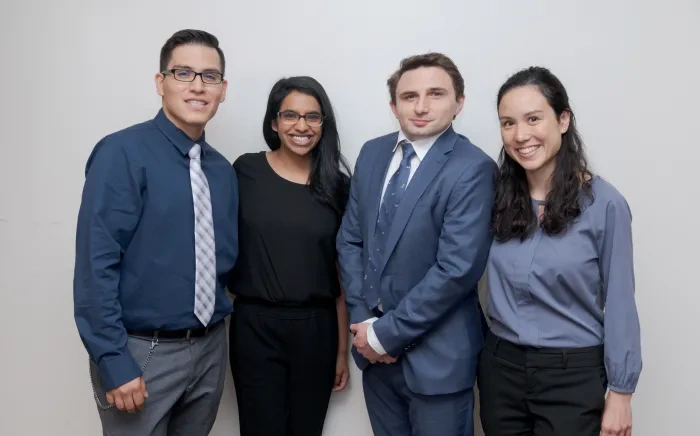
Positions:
(545, 357)
(176, 334)
(312, 303)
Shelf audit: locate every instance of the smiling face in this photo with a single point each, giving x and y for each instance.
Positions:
(530, 129)
(426, 102)
(299, 123)
(190, 105)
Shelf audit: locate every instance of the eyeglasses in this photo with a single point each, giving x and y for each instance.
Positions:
(313, 119)
(182, 75)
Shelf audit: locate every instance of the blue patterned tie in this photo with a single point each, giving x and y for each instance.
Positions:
(390, 203)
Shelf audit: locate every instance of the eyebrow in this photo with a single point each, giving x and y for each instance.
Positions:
(293, 110)
(187, 67)
(436, 88)
(537, 111)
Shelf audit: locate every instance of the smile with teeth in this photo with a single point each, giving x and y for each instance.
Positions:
(300, 140)
(196, 102)
(526, 151)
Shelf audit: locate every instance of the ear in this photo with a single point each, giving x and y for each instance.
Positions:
(224, 87)
(274, 125)
(159, 83)
(393, 109)
(460, 105)
(564, 120)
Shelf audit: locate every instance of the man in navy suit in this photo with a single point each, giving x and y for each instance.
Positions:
(412, 247)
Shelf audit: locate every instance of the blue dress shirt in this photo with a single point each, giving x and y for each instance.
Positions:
(135, 261)
(575, 289)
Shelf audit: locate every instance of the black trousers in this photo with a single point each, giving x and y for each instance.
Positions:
(283, 364)
(529, 391)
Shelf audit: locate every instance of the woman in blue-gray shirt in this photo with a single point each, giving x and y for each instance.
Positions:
(564, 324)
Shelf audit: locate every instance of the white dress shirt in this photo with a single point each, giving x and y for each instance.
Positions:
(421, 147)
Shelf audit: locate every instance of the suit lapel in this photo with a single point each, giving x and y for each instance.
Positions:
(426, 172)
(376, 183)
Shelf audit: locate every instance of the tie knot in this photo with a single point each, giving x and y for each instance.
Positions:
(407, 149)
(194, 151)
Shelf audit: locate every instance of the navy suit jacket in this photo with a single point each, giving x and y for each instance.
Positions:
(436, 253)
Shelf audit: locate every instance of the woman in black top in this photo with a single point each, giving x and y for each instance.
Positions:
(289, 332)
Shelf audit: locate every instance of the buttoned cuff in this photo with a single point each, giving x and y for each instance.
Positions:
(118, 370)
(618, 389)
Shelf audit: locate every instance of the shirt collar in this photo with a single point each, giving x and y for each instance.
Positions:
(179, 139)
(420, 146)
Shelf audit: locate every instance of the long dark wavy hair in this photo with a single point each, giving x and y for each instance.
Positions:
(512, 214)
(329, 180)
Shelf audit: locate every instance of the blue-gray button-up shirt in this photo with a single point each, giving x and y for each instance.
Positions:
(575, 289)
(135, 260)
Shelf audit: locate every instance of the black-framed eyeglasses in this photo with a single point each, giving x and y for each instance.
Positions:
(183, 75)
(313, 119)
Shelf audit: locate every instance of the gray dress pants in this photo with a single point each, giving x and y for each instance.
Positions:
(184, 380)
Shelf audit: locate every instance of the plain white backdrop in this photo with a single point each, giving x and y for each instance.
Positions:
(74, 71)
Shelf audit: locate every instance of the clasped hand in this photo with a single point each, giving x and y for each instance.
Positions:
(129, 397)
(363, 347)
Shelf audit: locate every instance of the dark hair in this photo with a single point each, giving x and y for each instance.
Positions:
(512, 214)
(189, 36)
(427, 60)
(329, 179)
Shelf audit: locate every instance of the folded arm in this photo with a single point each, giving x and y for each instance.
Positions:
(108, 215)
(463, 249)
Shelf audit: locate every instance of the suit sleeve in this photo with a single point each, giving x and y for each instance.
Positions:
(350, 247)
(463, 249)
(109, 213)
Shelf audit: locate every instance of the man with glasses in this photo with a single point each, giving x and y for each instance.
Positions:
(156, 239)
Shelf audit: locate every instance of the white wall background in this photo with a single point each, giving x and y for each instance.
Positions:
(73, 71)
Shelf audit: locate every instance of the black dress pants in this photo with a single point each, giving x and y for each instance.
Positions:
(283, 364)
(527, 391)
